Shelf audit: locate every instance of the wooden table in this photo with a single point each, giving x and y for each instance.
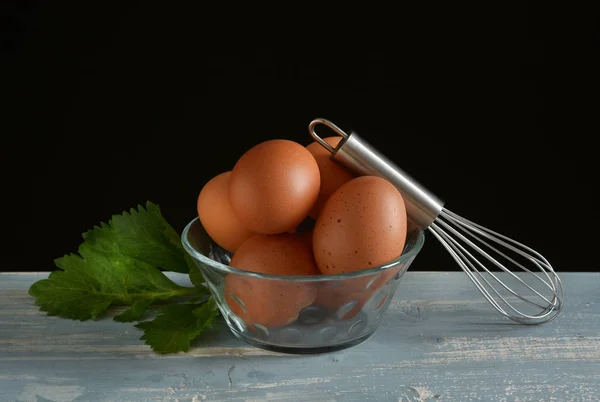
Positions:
(439, 341)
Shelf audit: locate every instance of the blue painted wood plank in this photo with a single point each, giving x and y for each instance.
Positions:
(439, 341)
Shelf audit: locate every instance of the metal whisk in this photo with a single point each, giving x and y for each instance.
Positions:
(537, 289)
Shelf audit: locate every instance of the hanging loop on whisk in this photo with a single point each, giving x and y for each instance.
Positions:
(360, 157)
(311, 128)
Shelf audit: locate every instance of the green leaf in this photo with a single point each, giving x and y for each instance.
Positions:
(135, 312)
(142, 234)
(190, 263)
(119, 263)
(176, 325)
(207, 311)
(198, 280)
(196, 276)
(88, 284)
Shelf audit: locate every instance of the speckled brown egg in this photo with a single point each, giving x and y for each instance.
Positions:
(362, 225)
(270, 303)
(333, 175)
(273, 186)
(217, 216)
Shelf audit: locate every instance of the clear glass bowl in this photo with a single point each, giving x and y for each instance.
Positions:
(298, 314)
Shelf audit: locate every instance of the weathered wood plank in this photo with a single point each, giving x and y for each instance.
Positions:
(439, 341)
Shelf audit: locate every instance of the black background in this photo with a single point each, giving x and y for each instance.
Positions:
(493, 108)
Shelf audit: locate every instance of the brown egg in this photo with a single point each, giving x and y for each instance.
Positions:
(362, 225)
(270, 303)
(217, 216)
(333, 175)
(273, 186)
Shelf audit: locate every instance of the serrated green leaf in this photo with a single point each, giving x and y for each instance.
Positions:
(193, 270)
(90, 283)
(118, 264)
(198, 280)
(142, 234)
(135, 312)
(206, 312)
(176, 325)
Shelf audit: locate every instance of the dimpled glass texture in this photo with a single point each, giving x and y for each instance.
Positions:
(347, 310)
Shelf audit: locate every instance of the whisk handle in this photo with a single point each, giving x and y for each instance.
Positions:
(359, 156)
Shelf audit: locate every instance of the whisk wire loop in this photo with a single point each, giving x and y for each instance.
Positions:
(453, 231)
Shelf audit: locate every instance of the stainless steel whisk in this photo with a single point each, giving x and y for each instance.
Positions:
(469, 243)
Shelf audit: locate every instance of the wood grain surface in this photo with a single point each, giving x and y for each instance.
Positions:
(439, 341)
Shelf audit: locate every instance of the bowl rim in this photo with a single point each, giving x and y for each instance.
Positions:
(406, 257)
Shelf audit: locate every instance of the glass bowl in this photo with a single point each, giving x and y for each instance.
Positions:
(298, 314)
